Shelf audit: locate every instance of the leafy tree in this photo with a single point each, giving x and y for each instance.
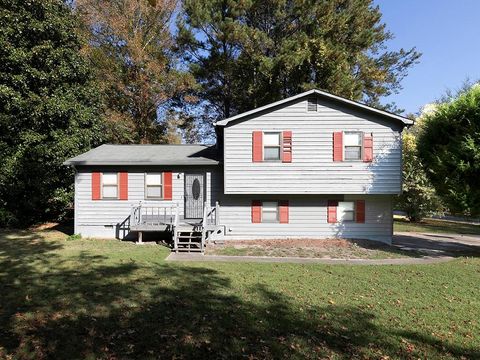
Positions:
(249, 53)
(48, 109)
(449, 144)
(132, 50)
(418, 198)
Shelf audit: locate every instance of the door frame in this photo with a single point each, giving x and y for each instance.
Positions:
(204, 175)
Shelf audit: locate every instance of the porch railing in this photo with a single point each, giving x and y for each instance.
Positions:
(154, 215)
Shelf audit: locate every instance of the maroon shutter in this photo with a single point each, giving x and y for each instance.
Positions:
(287, 147)
(368, 147)
(257, 146)
(338, 146)
(167, 185)
(123, 185)
(360, 211)
(256, 211)
(96, 186)
(332, 211)
(283, 209)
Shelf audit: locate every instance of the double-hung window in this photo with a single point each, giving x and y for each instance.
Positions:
(353, 145)
(346, 211)
(270, 211)
(271, 146)
(153, 186)
(109, 186)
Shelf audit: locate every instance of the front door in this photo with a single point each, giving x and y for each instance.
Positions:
(194, 195)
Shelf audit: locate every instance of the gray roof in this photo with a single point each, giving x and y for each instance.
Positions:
(147, 155)
(405, 121)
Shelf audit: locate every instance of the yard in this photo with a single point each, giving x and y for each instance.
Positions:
(78, 298)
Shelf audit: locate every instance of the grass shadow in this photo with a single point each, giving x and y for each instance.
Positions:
(83, 306)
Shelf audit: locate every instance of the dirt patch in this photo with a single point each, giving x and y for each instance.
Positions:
(317, 248)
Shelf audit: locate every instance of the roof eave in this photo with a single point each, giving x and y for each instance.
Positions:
(384, 113)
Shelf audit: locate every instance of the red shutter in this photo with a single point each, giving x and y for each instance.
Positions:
(96, 186)
(256, 211)
(368, 147)
(167, 185)
(332, 211)
(123, 185)
(257, 146)
(283, 208)
(338, 146)
(287, 147)
(360, 211)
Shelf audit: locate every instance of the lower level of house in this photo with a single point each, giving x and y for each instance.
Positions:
(106, 199)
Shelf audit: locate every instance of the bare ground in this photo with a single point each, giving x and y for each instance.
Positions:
(317, 248)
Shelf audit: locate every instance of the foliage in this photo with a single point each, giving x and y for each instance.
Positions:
(450, 144)
(111, 299)
(132, 50)
(48, 109)
(418, 198)
(249, 53)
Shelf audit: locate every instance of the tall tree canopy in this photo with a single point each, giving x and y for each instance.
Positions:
(449, 143)
(132, 50)
(249, 53)
(48, 108)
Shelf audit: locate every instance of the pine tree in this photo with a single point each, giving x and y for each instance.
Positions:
(246, 54)
(48, 109)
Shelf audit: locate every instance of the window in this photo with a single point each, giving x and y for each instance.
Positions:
(353, 145)
(312, 104)
(346, 211)
(153, 186)
(271, 146)
(109, 186)
(270, 211)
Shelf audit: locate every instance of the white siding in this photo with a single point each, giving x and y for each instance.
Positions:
(312, 169)
(98, 218)
(307, 219)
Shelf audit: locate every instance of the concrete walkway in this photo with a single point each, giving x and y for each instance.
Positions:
(438, 245)
(300, 260)
(436, 248)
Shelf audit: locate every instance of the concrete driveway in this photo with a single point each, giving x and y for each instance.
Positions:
(438, 245)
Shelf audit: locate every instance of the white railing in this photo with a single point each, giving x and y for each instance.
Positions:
(153, 215)
(210, 219)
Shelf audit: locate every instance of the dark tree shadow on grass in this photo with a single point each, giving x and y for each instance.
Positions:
(123, 311)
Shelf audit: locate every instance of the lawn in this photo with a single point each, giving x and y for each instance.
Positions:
(436, 226)
(81, 298)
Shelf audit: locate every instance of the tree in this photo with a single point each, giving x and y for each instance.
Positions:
(449, 145)
(249, 53)
(132, 50)
(418, 198)
(48, 109)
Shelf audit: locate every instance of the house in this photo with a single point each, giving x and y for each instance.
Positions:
(313, 165)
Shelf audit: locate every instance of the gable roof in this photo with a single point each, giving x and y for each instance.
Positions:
(184, 154)
(325, 95)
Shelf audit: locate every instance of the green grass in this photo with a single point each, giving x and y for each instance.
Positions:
(91, 299)
(436, 226)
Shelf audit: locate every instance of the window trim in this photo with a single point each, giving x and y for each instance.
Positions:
(354, 211)
(360, 146)
(162, 186)
(102, 196)
(277, 211)
(280, 146)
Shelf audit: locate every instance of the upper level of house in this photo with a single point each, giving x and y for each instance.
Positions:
(312, 143)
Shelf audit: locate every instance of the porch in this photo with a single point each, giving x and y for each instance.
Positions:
(187, 234)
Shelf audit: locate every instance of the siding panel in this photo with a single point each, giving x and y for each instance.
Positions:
(313, 169)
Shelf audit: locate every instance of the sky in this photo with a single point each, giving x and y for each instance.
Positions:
(447, 33)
